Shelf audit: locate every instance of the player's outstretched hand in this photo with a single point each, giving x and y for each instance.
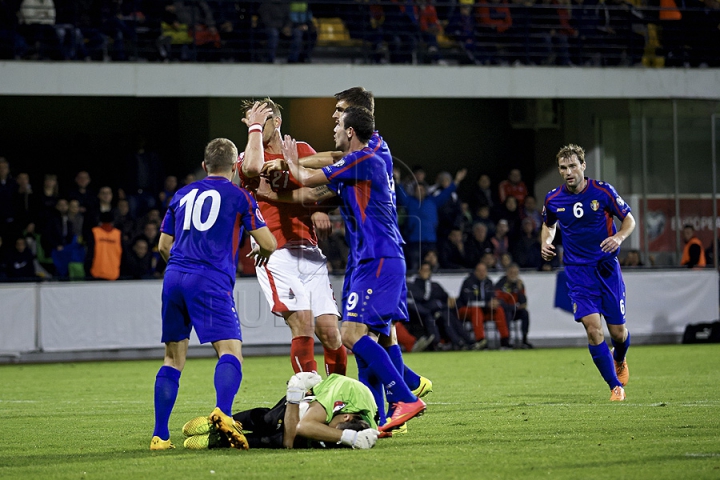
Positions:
(289, 150)
(308, 379)
(363, 440)
(547, 252)
(257, 114)
(611, 244)
(460, 175)
(277, 165)
(323, 225)
(261, 256)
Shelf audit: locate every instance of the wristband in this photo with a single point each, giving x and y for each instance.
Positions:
(255, 127)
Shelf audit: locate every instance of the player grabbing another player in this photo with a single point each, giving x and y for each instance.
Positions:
(339, 411)
(295, 280)
(200, 241)
(584, 209)
(375, 286)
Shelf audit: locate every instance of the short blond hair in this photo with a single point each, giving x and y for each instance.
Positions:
(220, 155)
(569, 150)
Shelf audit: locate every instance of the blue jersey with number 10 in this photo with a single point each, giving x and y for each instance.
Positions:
(206, 218)
(586, 219)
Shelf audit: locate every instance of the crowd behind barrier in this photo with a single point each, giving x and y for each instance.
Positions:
(652, 33)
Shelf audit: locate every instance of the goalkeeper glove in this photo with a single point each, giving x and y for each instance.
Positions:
(363, 440)
(295, 390)
(308, 379)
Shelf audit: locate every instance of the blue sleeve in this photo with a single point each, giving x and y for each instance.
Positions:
(252, 219)
(617, 204)
(401, 194)
(168, 223)
(549, 217)
(353, 167)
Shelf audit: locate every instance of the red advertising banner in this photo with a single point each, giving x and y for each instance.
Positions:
(662, 222)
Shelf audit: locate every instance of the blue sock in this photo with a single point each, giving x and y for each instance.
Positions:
(228, 375)
(604, 362)
(411, 378)
(167, 383)
(620, 348)
(369, 380)
(381, 366)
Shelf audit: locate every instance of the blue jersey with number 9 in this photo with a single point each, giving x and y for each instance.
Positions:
(206, 219)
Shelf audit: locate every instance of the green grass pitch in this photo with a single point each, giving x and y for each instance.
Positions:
(516, 414)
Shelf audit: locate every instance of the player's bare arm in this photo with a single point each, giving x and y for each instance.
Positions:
(290, 424)
(265, 246)
(547, 250)
(611, 244)
(304, 195)
(254, 157)
(321, 159)
(306, 176)
(313, 425)
(323, 225)
(164, 245)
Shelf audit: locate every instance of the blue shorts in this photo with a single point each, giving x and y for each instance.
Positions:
(402, 311)
(597, 289)
(375, 292)
(191, 301)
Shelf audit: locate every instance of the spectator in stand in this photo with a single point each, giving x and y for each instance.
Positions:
(8, 188)
(48, 199)
(482, 194)
(418, 177)
(526, 250)
(104, 253)
(494, 20)
(478, 244)
(144, 174)
(59, 230)
(124, 221)
(401, 30)
(422, 219)
(431, 258)
(529, 210)
(453, 255)
(483, 216)
(12, 44)
(511, 291)
(430, 305)
(450, 212)
(25, 204)
(151, 234)
(693, 255)
(500, 241)
(170, 186)
(76, 218)
(19, 262)
(430, 28)
(513, 187)
(137, 261)
(90, 42)
(82, 192)
(276, 20)
(304, 34)
(102, 205)
(461, 28)
(477, 302)
(235, 24)
(509, 211)
(37, 26)
(506, 260)
(632, 259)
(490, 261)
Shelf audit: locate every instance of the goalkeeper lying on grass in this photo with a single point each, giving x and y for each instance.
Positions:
(314, 413)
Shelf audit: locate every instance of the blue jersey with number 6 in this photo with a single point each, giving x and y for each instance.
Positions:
(206, 218)
(586, 219)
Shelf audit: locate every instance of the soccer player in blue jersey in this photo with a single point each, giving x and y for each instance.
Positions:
(200, 242)
(364, 184)
(584, 209)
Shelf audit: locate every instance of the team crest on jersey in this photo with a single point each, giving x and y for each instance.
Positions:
(259, 215)
(339, 405)
(595, 205)
(620, 201)
(339, 163)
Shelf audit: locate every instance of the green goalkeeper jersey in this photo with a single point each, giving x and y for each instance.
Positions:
(338, 393)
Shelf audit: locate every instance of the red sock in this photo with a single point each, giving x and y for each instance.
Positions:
(302, 355)
(335, 360)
